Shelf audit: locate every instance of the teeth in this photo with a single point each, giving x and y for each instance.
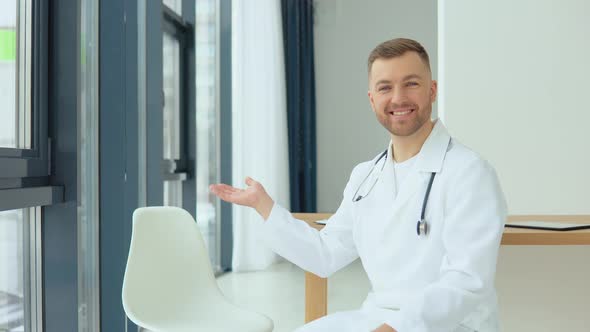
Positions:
(402, 113)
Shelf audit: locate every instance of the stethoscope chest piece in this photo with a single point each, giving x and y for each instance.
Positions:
(422, 227)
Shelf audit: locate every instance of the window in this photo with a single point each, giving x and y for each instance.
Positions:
(173, 112)
(208, 217)
(20, 270)
(15, 68)
(174, 5)
(177, 112)
(12, 271)
(23, 121)
(24, 163)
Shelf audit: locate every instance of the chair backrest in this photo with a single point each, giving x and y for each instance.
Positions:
(168, 270)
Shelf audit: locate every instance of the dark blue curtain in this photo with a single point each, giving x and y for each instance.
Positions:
(297, 18)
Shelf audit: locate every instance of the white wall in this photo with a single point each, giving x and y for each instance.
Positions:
(515, 77)
(345, 32)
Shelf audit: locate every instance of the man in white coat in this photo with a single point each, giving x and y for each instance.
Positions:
(425, 216)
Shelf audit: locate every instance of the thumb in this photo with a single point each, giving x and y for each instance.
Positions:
(250, 181)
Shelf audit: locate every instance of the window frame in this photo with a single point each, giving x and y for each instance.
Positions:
(33, 162)
(25, 173)
(176, 27)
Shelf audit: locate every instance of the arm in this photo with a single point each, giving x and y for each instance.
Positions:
(475, 212)
(320, 252)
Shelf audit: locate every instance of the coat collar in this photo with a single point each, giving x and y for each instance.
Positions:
(431, 156)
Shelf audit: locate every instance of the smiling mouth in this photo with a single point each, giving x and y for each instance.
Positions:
(402, 112)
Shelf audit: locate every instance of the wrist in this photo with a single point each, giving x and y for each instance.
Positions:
(264, 206)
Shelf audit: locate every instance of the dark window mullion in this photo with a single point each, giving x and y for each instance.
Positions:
(173, 25)
(39, 77)
(174, 19)
(183, 116)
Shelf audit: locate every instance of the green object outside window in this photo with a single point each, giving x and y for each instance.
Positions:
(7, 45)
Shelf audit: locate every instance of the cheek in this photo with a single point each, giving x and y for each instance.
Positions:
(424, 98)
(379, 103)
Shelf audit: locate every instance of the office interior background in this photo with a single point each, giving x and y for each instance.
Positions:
(110, 105)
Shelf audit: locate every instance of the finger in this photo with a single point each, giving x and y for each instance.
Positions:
(224, 187)
(231, 191)
(222, 192)
(250, 181)
(227, 195)
(216, 186)
(227, 190)
(224, 196)
(213, 188)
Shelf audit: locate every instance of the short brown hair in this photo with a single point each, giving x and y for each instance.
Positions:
(397, 47)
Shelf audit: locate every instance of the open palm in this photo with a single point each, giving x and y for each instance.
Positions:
(247, 197)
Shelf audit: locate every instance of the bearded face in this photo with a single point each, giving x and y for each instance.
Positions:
(401, 93)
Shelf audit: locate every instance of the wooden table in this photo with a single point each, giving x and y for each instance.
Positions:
(316, 288)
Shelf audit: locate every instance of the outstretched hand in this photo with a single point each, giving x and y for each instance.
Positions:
(385, 328)
(253, 196)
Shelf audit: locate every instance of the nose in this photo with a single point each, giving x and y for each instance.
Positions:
(398, 96)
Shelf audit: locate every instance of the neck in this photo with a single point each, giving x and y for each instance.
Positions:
(405, 147)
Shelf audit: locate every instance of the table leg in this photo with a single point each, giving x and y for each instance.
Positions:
(316, 297)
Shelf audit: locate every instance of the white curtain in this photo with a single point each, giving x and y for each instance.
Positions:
(259, 121)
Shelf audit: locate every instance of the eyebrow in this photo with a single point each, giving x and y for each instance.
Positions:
(408, 77)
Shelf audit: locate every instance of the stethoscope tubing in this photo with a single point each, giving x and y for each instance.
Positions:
(421, 226)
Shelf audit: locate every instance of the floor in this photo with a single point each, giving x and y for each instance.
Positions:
(278, 292)
(544, 294)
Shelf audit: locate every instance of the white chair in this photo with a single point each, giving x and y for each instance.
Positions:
(169, 285)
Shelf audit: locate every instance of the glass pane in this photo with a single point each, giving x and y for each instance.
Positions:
(175, 5)
(171, 83)
(12, 257)
(207, 123)
(8, 72)
(15, 69)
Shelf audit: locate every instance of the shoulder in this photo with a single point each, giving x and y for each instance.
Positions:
(361, 170)
(461, 159)
(469, 176)
(365, 166)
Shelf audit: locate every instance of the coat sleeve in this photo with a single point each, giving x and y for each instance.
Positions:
(475, 213)
(320, 252)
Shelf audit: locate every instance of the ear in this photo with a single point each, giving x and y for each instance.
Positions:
(433, 91)
(371, 101)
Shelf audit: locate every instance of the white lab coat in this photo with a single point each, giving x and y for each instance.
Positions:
(440, 282)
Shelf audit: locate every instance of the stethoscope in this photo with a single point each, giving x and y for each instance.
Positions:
(421, 225)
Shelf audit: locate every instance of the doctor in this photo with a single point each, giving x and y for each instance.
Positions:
(425, 216)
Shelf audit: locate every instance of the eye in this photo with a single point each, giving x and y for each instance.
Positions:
(411, 84)
(383, 88)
